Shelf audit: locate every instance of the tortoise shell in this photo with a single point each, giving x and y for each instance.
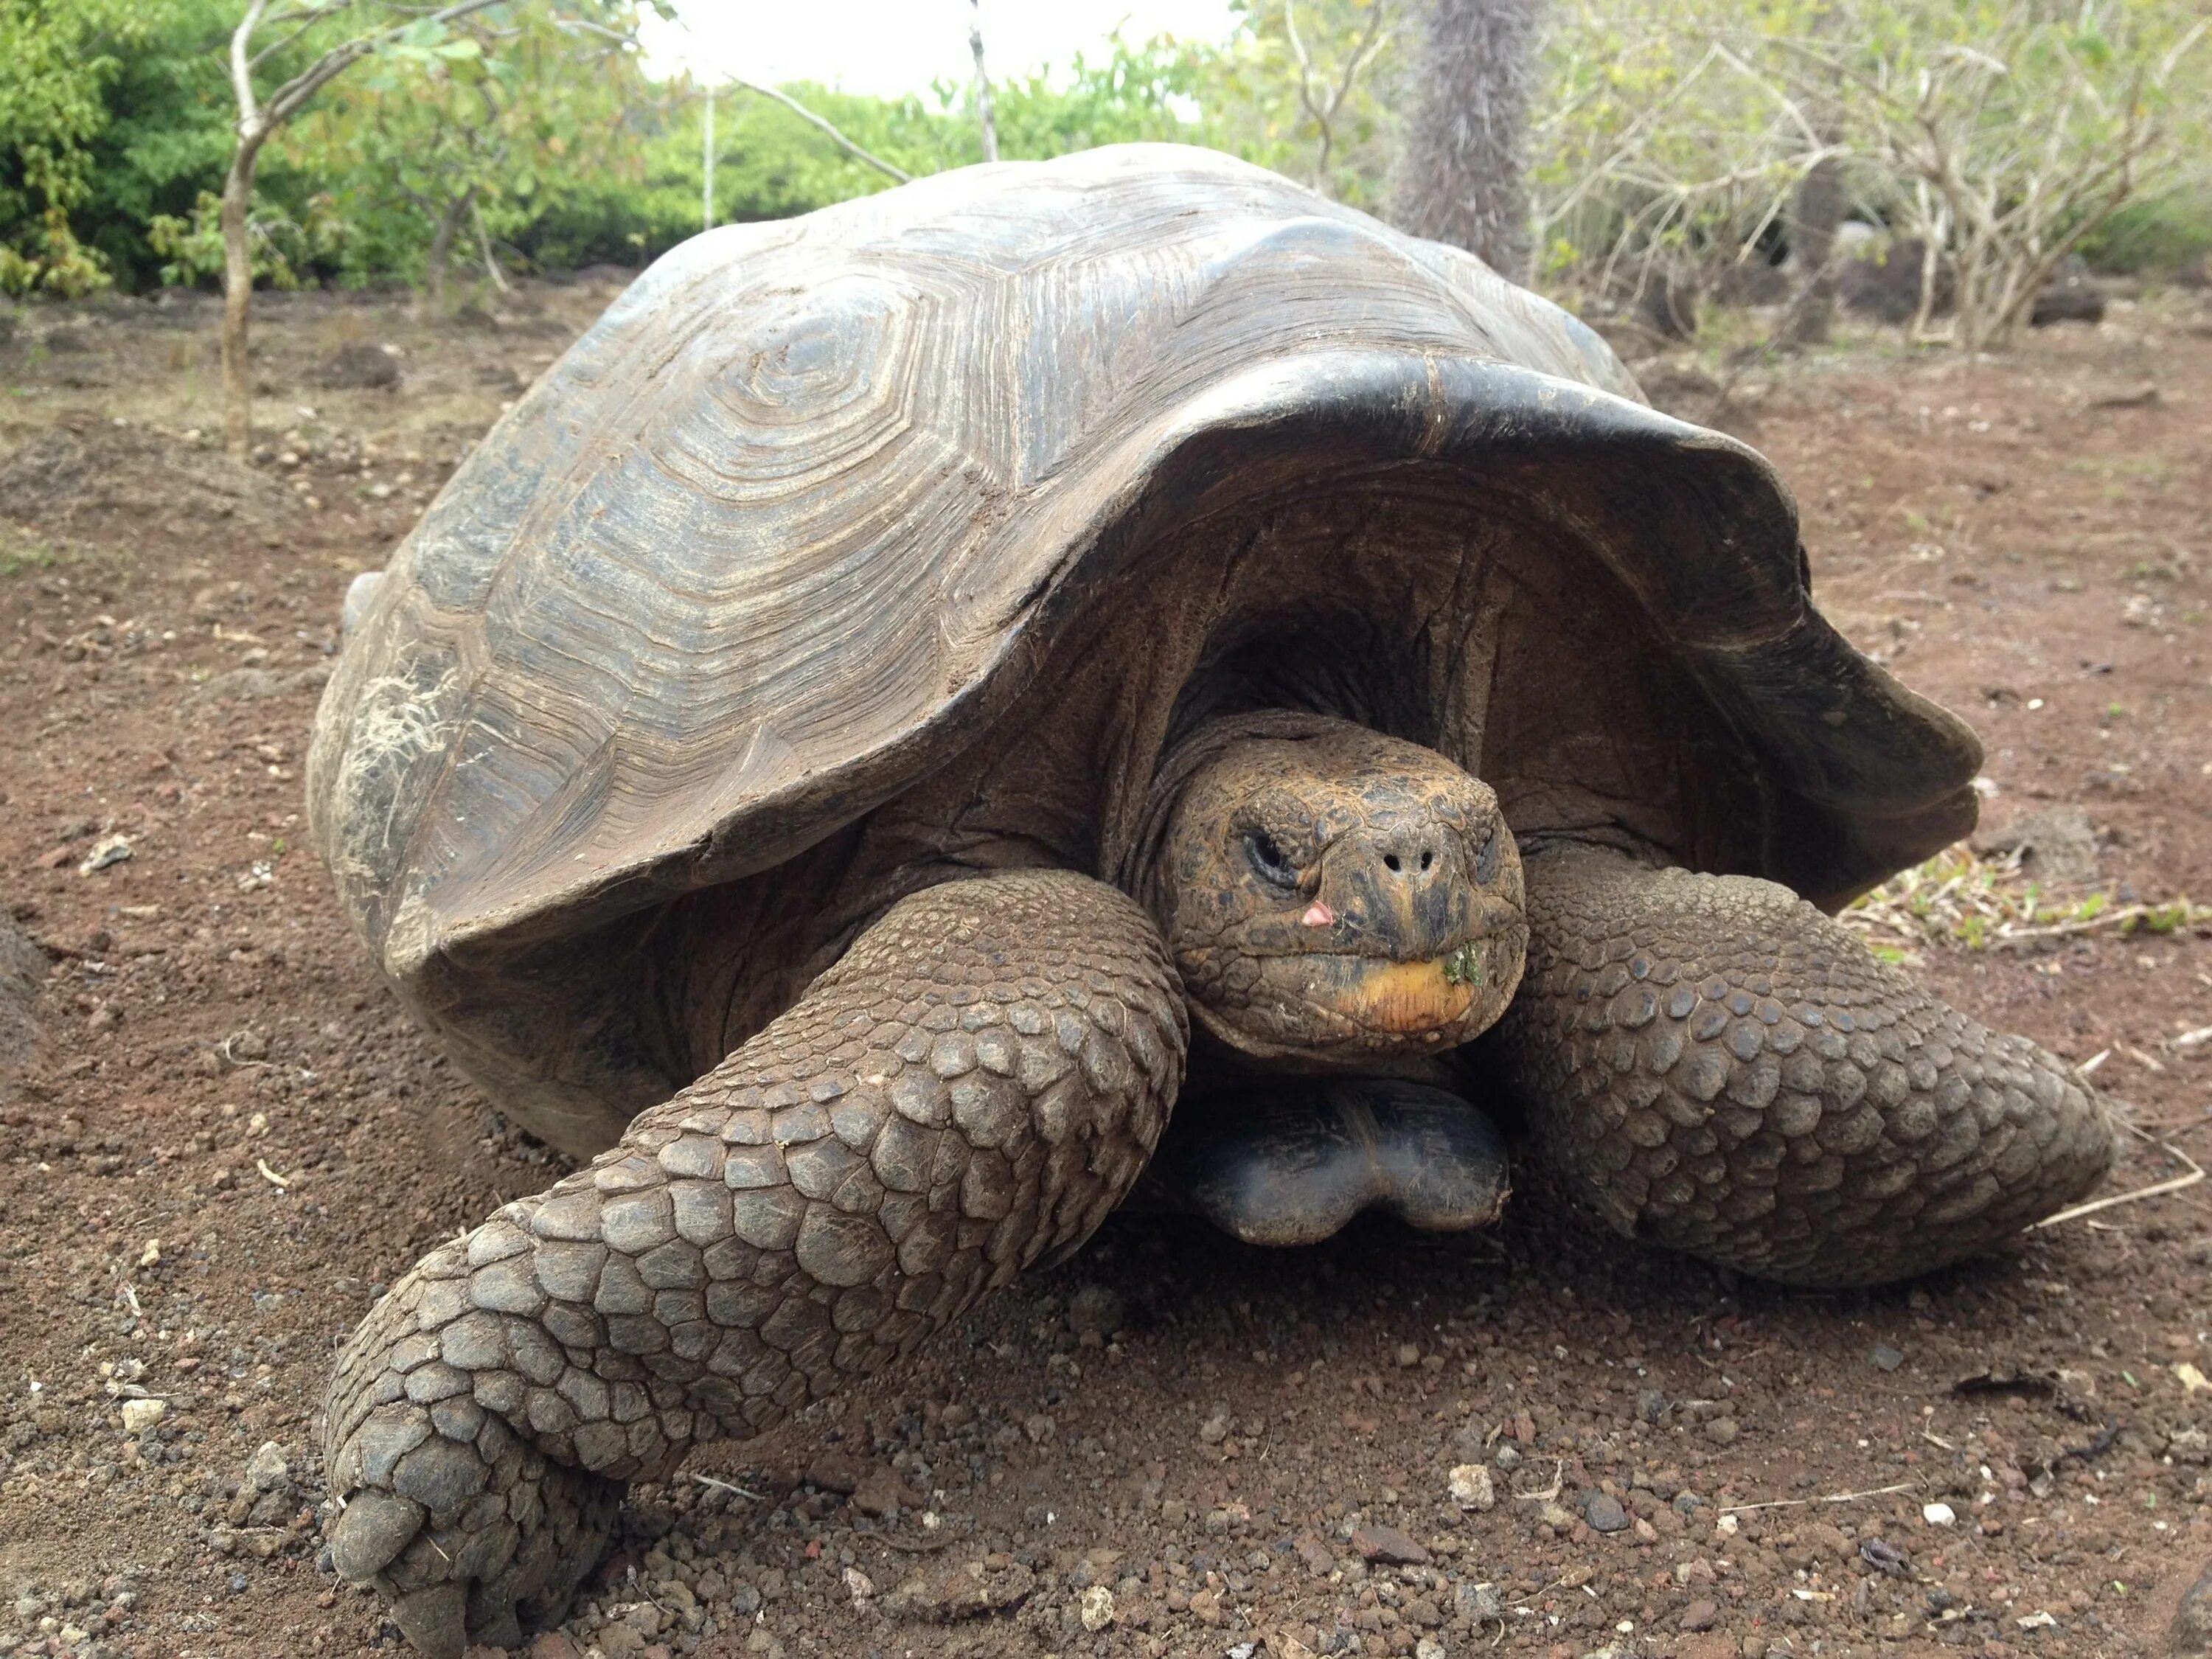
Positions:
(998, 475)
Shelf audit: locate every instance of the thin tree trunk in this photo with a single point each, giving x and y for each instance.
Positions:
(985, 115)
(441, 248)
(1462, 174)
(707, 168)
(256, 121)
(237, 300)
(484, 248)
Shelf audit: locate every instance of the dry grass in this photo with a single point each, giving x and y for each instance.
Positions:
(1962, 902)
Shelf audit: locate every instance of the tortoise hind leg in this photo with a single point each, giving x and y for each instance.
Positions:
(977, 1083)
(1728, 1073)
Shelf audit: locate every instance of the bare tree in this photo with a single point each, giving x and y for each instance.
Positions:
(1322, 97)
(985, 116)
(2010, 151)
(1462, 174)
(258, 120)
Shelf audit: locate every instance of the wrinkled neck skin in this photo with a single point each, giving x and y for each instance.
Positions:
(1334, 899)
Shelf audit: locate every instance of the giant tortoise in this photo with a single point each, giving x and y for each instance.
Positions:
(922, 688)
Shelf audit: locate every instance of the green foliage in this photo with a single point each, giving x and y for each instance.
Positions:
(1311, 88)
(57, 58)
(502, 124)
(2160, 236)
(770, 164)
(287, 252)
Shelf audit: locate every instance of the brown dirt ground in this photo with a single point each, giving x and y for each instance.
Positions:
(228, 1137)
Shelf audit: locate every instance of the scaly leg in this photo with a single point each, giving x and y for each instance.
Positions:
(977, 1083)
(1728, 1073)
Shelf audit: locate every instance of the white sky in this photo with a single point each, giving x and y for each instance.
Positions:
(892, 46)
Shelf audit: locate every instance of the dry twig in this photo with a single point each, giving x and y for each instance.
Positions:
(1825, 1498)
(2157, 1188)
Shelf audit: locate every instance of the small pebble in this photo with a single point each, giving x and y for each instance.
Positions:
(1886, 1358)
(1721, 1431)
(1409, 1355)
(1472, 1488)
(1388, 1546)
(1095, 1310)
(1479, 1601)
(266, 1471)
(1097, 1609)
(1604, 1513)
(140, 1415)
(1938, 1514)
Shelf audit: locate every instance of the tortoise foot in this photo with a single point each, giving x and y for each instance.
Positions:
(466, 1548)
(1292, 1163)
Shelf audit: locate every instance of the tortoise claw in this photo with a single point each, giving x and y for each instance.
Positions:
(1292, 1163)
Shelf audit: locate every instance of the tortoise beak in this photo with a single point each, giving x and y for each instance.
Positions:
(1408, 999)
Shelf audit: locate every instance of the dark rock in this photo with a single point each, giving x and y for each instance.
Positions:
(2057, 845)
(2191, 1633)
(832, 1472)
(881, 1492)
(972, 1590)
(1669, 306)
(359, 366)
(1604, 1513)
(241, 685)
(1095, 1309)
(1884, 1557)
(1389, 1546)
(23, 974)
(1883, 281)
(2070, 296)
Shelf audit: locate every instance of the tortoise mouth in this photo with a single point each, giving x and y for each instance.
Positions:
(1402, 997)
(1330, 1005)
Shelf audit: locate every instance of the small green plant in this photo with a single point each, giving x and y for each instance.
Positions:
(20, 551)
(1960, 901)
(1464, 966)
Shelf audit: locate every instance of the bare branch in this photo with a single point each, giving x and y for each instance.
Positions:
(308, 17)
(985, 116)
(839, 139)
(241, 66)
(286, 100)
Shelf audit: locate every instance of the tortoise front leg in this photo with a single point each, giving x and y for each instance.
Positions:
(977, 1083)
(1728, 1073)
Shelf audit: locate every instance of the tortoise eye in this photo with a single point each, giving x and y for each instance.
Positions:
(1486, 861)
(1269, 860)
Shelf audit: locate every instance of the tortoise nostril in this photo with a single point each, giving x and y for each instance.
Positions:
(1390, 863)
(1428, 856)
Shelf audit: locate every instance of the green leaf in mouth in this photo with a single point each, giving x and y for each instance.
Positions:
(1464, 966)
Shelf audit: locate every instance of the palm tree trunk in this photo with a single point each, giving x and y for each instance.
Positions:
(1462, 175)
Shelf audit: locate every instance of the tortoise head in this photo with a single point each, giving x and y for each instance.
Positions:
(1332, 895)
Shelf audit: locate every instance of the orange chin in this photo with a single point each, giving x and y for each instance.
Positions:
(1403, 998)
